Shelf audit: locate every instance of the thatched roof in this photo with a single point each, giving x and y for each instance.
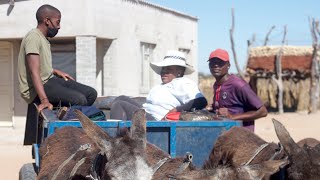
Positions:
(294, 58)
(287, 51)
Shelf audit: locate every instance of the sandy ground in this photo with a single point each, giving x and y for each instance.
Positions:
(300, 125)
(13, 154)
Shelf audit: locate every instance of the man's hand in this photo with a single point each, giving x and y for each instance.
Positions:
(62, 74)
(224, 112)
(209, 108)
(45, 104)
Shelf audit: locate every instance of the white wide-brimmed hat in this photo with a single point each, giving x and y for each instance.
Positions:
(172, 58)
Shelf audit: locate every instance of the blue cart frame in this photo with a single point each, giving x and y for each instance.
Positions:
(174, 137)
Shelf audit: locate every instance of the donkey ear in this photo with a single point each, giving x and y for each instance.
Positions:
(285, 139)
(138, 127)
(97, 134)
(263, 170)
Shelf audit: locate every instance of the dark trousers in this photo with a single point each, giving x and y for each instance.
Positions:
(30, 134)
(123, 107)
(69, 92)
(58, 91)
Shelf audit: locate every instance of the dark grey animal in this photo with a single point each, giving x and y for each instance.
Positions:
(243, 144)
(219, 168)
(304, 161)
(228, 171)
(311, 142)
(71, 153)
(248, 148)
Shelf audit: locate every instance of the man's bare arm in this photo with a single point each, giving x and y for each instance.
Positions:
(33, 61)
(250, 115)
(62, 74)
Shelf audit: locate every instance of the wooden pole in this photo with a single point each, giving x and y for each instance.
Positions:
(314, 90)
(278, 80)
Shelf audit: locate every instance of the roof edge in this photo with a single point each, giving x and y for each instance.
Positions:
(288, 50)
(146, 3)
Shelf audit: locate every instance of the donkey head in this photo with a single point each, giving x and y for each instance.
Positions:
(125, 156)
(304, 161)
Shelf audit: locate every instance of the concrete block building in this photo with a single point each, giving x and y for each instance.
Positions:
(106, 44)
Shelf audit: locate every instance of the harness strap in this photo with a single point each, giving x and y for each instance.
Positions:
(81, 148)
(91, 177)
(159, 164)
(186, 162)
(75, 168)
(256, 153)
(278, 151)
(96, 166)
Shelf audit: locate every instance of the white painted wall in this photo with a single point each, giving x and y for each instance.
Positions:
(124, 22)
(6, 83)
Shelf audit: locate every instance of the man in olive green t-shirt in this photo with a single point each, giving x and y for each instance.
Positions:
(30, 46)
(39, 83)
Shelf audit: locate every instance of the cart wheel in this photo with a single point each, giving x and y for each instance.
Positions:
(27, 172)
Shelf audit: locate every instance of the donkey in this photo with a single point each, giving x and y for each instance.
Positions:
(180, 168)
(221, 168)
(304, 161)
(311, 142)
(227, 171)
(164, 166)
(71, 153)
(247, 148)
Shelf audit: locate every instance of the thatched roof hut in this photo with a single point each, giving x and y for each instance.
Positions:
(296, 64)
(296, 59)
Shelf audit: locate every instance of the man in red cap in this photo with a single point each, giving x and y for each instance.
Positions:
(233, 97)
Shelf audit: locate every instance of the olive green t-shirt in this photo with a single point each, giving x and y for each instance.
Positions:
(33, 43)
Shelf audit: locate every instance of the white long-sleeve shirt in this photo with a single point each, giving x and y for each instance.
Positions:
(164, 97)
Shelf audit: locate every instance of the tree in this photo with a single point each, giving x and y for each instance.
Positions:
(314, 90)
(267, 36)
(279, 74)
(233, 46)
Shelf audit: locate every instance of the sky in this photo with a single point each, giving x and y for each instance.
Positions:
(251, 17)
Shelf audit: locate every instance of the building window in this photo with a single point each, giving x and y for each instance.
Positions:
(64, 56)
(185, 51)
(147, 57)
(187, 55)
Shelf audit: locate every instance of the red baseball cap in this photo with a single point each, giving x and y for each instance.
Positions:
(219, 53)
